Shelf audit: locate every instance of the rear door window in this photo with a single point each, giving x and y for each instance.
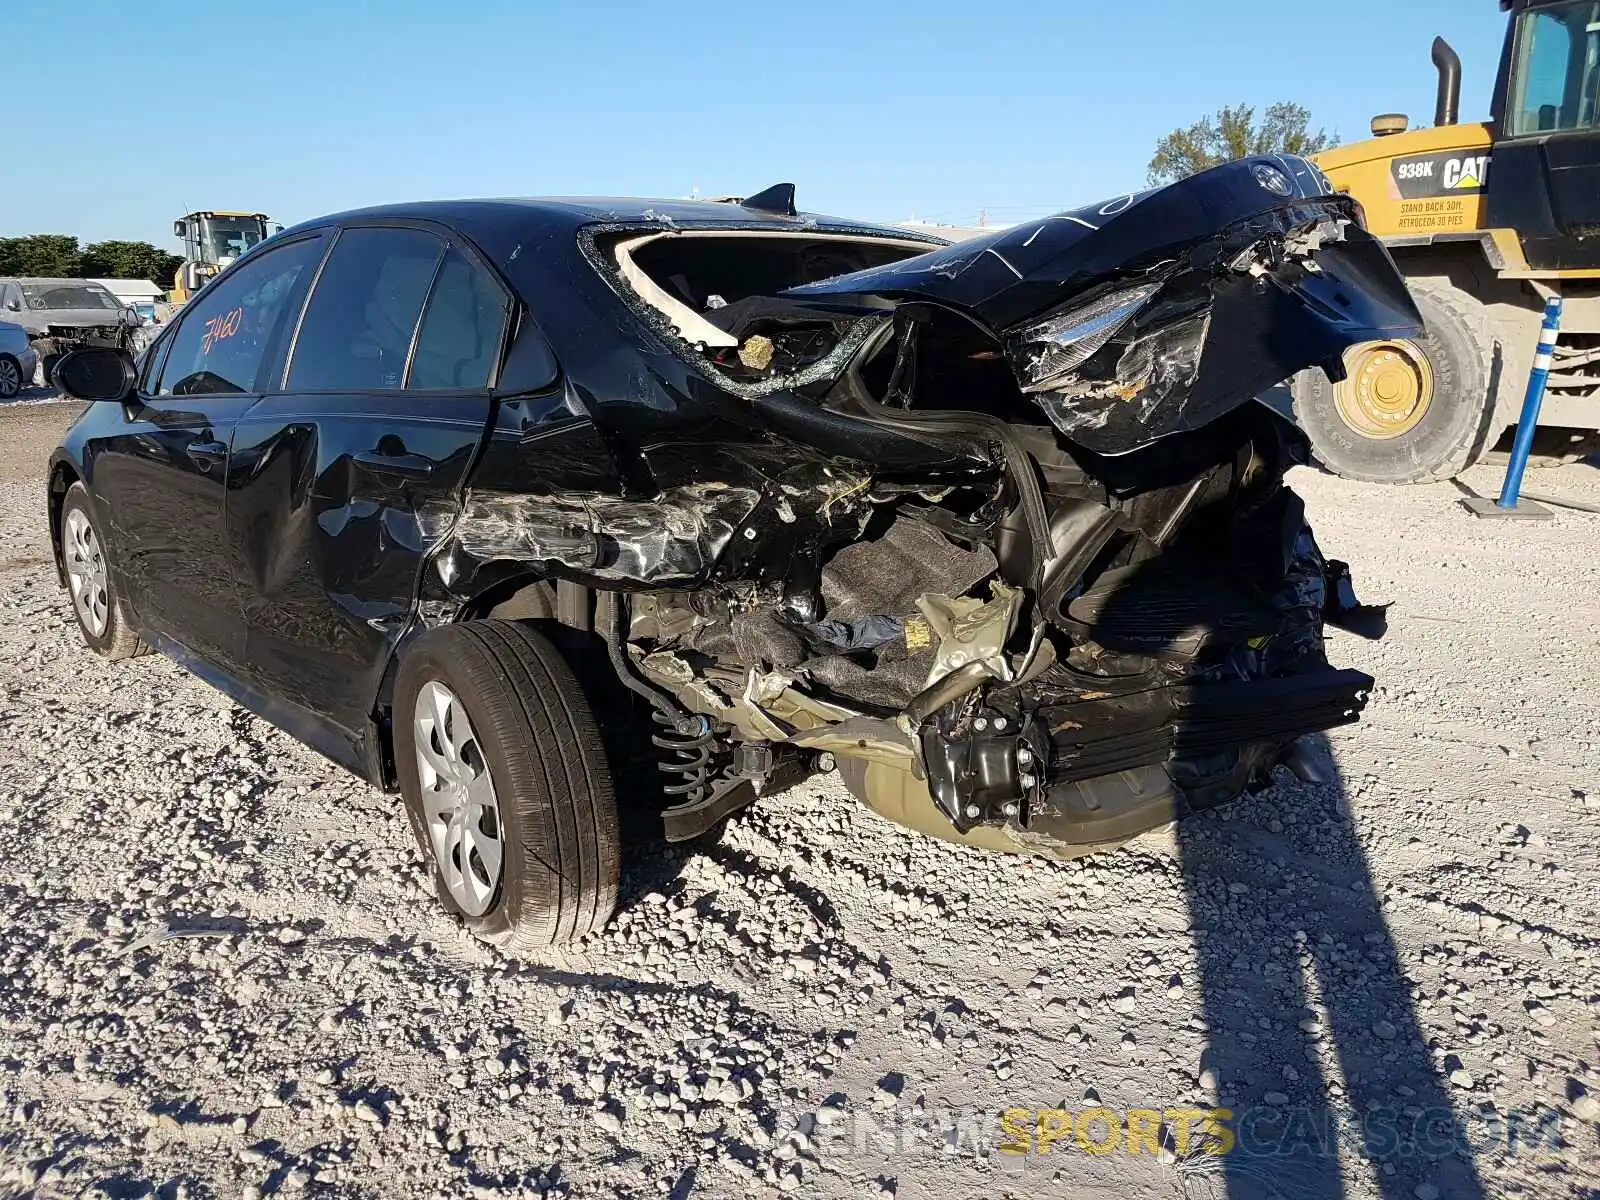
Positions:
(359, 327)
(458, 346)
(227, 334)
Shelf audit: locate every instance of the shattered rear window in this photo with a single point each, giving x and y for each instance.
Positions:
(717, 291)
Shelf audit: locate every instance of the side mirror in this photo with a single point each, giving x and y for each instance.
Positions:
(14, 305)
(180, 229)
(131, 317)
(96, 373)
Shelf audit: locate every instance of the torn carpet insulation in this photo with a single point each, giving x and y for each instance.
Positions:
(884, 684)
(886, 576)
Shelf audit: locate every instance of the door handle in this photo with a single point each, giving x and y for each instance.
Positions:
(206, 453)
(403, 466)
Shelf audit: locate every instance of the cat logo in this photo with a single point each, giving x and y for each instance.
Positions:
(1466, 174)
(1440, 175)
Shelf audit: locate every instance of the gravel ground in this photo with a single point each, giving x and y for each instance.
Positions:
(223, 975)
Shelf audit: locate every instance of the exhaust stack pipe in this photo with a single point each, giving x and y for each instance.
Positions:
(1448, 61)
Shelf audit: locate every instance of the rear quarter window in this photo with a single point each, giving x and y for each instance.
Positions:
(462, 331)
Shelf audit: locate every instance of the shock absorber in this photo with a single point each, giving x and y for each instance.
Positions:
(687, 742)
(686, 737)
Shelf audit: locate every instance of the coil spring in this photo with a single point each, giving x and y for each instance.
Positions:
(691, 756)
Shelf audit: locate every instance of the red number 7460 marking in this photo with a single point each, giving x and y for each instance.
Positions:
(220, 327)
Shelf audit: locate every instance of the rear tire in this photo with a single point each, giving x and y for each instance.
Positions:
(1458, 356)
(47, 366)
(526, 746)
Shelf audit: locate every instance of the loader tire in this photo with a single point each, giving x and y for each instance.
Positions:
(1411, 410)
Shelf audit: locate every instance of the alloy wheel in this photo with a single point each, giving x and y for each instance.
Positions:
(458, 800)
(86, 573)
(10, 378)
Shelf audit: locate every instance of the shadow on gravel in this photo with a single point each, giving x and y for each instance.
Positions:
(1553, 446)
(1299, 973)
(651, 864)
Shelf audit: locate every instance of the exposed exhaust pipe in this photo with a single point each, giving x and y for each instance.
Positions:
(1448, 111)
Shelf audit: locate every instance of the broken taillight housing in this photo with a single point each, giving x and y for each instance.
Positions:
(1044, 355)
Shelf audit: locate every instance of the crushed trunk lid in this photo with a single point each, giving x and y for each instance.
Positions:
(1157, 312)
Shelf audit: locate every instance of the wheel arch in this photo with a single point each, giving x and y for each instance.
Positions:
(525, 595)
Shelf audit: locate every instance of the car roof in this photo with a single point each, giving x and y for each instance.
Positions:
(569, 213)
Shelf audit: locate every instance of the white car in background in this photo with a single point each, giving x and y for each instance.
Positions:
(18, 360)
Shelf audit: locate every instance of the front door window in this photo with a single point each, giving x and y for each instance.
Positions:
(226, 335)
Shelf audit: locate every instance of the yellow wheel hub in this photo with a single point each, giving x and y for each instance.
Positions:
(1387, 391)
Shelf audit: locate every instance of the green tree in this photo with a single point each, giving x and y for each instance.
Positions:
(130, 260)
(1233, 133)
(54, 254)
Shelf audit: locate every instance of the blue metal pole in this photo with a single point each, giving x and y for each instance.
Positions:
(1529, 421)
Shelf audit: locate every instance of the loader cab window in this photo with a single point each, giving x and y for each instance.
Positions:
(223, 239)
(1555, 85)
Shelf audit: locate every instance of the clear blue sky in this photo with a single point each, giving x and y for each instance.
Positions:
(876, 110)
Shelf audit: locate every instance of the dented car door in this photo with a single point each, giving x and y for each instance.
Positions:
(342, 473)
(158, 462)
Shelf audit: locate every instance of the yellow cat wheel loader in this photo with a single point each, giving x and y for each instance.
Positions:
(1485, 220)
(212, 240)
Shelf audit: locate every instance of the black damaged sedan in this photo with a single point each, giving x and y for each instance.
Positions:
(577, 520)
